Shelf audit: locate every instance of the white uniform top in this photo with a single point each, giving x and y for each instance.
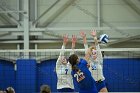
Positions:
(64, 77)
(96, 66)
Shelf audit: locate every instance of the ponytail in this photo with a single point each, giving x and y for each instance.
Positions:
(75, 68)
(73, 61)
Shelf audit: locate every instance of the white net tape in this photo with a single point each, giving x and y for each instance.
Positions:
(44, 54)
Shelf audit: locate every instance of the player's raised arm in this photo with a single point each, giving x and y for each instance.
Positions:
(97, 47)
(73, 40)
(83, 35)
(65, 41)
(93, 33)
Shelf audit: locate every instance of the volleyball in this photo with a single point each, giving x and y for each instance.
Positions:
(104, 38)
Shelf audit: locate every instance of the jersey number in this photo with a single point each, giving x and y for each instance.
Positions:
(79, 76)
(66, 70)
(94, 67)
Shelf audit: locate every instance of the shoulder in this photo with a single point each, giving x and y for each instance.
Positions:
(83, 61)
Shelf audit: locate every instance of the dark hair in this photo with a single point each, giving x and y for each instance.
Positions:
(45, 89)
(73, 61)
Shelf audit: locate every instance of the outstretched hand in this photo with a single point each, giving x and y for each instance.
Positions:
(74, 39)
(65, 39)
(93, 33)
(82, 34)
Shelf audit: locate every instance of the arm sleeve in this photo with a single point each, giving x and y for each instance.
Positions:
(58, 62)
(99, 54)
(84, 62)
(62, 52)
(72, 52)
(86, 47)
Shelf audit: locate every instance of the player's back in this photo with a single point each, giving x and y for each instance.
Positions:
(84, 79)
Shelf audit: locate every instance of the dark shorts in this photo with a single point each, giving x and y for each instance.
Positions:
(100, 85)
(65, 90)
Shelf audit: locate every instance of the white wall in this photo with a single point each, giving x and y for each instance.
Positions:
(114, 12)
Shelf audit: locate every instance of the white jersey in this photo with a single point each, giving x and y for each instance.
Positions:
(64, 77)
(96, 66)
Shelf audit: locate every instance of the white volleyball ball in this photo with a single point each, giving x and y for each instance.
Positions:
(104, 38)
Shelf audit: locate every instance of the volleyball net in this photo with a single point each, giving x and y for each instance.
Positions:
(45, 54)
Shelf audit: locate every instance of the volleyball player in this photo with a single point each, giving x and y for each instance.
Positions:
(63, 69)
(96, 62)
(81, 74)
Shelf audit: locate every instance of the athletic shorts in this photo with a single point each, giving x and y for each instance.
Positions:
(65, 90)
(100, 85)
